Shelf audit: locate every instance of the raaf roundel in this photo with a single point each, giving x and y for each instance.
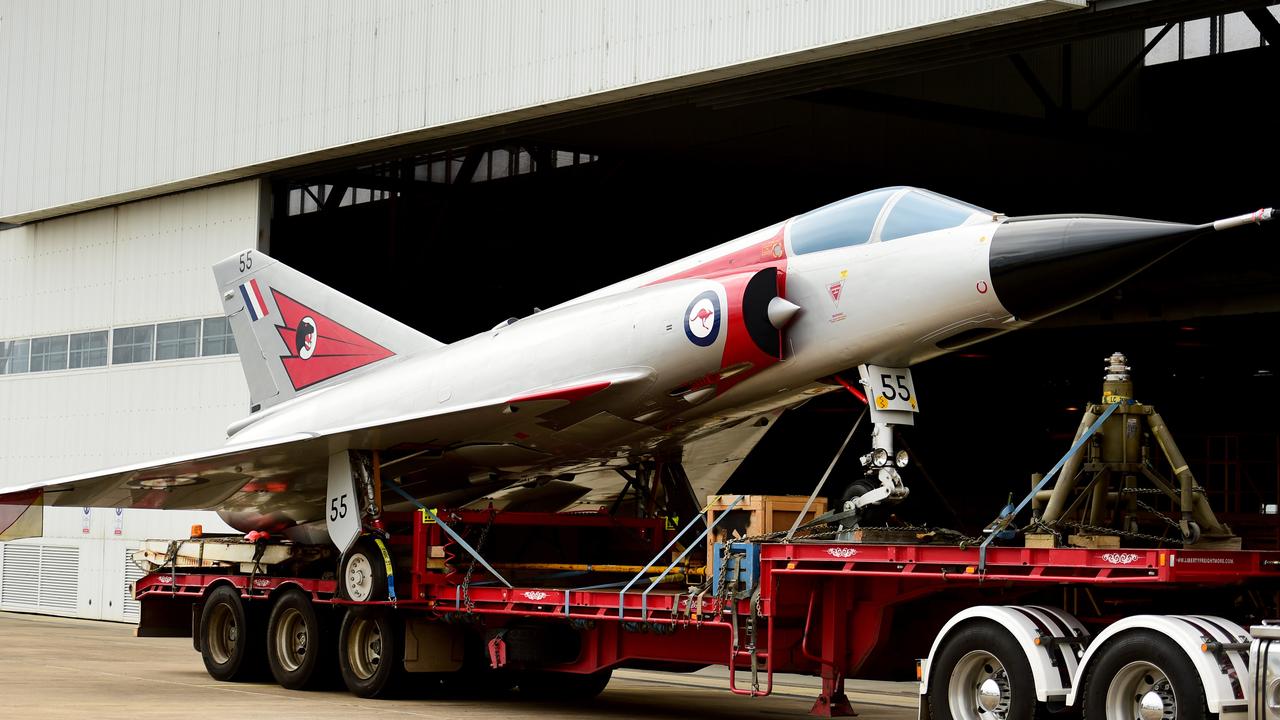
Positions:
(319, 347)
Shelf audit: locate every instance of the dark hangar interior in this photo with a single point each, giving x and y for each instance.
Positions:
(1071, 113)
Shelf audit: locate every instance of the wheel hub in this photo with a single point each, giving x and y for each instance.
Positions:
(1141, 691)
(359, 578)
(223, 634)
(365, 649)
(291, 640)
(1157, 703)
(992, 695)
(979, 688)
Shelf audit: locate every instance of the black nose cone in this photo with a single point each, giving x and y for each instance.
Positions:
(1044, 265)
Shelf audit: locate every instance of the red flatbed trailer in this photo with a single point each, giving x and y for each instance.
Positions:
(817, 607)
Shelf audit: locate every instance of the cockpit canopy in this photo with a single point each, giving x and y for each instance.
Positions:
(879, 215)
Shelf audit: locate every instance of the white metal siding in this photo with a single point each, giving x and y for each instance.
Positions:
(106, 99)
(143, 262)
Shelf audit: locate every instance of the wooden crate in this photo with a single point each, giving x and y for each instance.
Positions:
(757, 515)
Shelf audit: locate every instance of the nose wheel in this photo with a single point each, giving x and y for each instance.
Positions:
(856, 513)
(881, 485)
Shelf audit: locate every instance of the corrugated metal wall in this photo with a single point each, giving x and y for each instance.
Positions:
(143, 262)
(106, 98)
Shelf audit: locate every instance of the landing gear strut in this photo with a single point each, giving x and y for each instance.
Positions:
(890, 398)
(881, 482)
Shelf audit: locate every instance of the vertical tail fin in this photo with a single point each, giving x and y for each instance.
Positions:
(295, 334)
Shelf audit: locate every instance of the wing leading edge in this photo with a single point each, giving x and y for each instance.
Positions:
(290, 471)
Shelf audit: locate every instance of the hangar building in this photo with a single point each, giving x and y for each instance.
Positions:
(456, 163)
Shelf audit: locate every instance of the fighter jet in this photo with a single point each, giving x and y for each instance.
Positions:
(649, 390)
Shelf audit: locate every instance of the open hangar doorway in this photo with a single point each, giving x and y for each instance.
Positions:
(1066, 115)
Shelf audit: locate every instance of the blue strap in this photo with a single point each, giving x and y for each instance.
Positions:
(449, 531)
(1075, 447)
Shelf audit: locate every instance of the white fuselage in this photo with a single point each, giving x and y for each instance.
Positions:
(893, 302)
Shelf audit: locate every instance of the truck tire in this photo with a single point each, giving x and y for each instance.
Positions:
(1143, 670)
(362, 572)
(230, 637)
(370, 653)
(980, 673)
(543, 685)
(298, 645)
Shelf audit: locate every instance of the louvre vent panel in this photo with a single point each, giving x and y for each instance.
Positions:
(19, 587)
(131, 608)
(59, 577)
(45, 577)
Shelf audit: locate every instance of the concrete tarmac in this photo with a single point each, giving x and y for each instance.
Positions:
(61, 668)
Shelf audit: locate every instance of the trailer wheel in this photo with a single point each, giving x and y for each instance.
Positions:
(564, 686)
(980, 673)
(1140, 675)
(370, 645)
(297, 644)
(227, 637)
(362, 572)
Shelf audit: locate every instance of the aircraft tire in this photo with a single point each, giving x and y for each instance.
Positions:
(856, 489)
(362, 572)
(230, 637)
(543, 685)
(371, 652)
(299, 645)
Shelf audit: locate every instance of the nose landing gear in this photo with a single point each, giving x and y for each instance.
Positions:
(881, 482)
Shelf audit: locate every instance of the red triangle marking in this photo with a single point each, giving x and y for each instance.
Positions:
(338, 349)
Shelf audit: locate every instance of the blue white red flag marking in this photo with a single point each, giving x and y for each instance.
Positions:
(253, 301)
(319, 347)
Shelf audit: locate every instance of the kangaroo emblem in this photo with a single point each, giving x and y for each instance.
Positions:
(702, 319)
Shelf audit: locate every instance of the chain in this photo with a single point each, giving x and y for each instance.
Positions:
(1035, 525)
(1039, 525)
(826, 534)
(1112, 531)
(1168, 520)
(466, 580)
(1197, 490)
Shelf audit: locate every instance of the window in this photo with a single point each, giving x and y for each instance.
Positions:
(131, 344)
(88, 349)
(14, 356)
(49, 353)
(178, 340)
(920, 212)
(848, 222)
(218, 339)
